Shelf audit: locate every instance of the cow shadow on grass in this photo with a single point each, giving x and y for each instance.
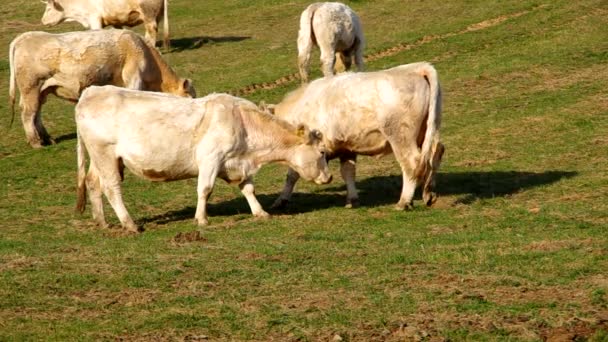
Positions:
(383, 190)
(192, 43)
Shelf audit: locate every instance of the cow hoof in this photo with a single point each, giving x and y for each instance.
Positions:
(280, 203)
(430, 198)
(201, 222)
(132, 228)
(352, 203)
(263, 215)
(407, 206)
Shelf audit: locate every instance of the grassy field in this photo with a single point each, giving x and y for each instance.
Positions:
(516, 248)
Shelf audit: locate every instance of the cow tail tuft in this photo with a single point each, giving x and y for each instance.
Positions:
(81, 191)
(166, 41)
(434, 115)
(12, 81)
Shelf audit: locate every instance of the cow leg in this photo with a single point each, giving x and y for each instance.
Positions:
(94, 188)
(358, 54)
(407, 162)
(328, 59)
(151, 32)
(347, 59)
(348, 170)
(248, 190)
(285, 196)
(108, 166)
(206, 180)
(31, 118)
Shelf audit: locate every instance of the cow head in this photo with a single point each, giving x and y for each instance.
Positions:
(428, 195)
(185, 88)
(308, 158)
(54, 13)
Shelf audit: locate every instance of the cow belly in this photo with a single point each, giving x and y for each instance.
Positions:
(366, 143)
(160, 166)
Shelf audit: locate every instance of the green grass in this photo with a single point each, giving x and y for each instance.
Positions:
(515, 249)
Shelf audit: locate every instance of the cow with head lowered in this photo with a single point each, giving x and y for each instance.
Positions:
(97, 14)
(396, 110)
(160, 137)
(65, 64)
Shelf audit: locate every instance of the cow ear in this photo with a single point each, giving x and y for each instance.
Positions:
(56, 5)
(302, 131)
(188, 88)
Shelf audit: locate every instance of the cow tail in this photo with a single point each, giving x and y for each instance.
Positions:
(306, 40)
(12, 81)
(166, 40)
(81, 191)
(433, 123)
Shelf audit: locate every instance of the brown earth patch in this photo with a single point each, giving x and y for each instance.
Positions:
(188, 237)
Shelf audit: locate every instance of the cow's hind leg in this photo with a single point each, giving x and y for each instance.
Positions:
(348, 164)
(408, 163)
(328, 60)
(358, 54)
(285, 196)
(36, 134)
(248, 191)
(94, 189)
(206, 180)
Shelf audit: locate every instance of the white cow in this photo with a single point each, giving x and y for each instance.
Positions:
(97, 14)
(65, 64)
(163, 138)
(374, 113)
(336, 29)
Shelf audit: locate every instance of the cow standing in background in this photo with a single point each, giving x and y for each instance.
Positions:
(164, 138)
(396, 110)
(65, 64)
(97, 14)
(336, 29)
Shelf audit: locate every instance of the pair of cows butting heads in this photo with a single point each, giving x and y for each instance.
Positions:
(396, 110)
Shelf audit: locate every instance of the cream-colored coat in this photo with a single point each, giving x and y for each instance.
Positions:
(374, 113)
(65, 64)
(337, 30)
(97, 14)
(162, 138)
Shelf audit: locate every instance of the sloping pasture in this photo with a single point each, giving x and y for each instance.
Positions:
(516, 248)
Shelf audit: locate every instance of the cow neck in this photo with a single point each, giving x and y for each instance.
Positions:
(169, 79)
(270, 138)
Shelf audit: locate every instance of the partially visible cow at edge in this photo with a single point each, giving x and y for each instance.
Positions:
(65, 64)
(163, 138)
(336, 29)
(374, 113)
(97, 14)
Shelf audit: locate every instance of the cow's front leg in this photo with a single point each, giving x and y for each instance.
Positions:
(248, 191)
(285, 196)
(151, 31)
(348, 170)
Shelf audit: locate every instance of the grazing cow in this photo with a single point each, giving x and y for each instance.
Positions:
(65, 64)
(97, 14)
(336, 29)
(162, 138)
(374, 113)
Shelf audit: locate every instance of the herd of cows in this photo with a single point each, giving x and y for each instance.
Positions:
(134, 111)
